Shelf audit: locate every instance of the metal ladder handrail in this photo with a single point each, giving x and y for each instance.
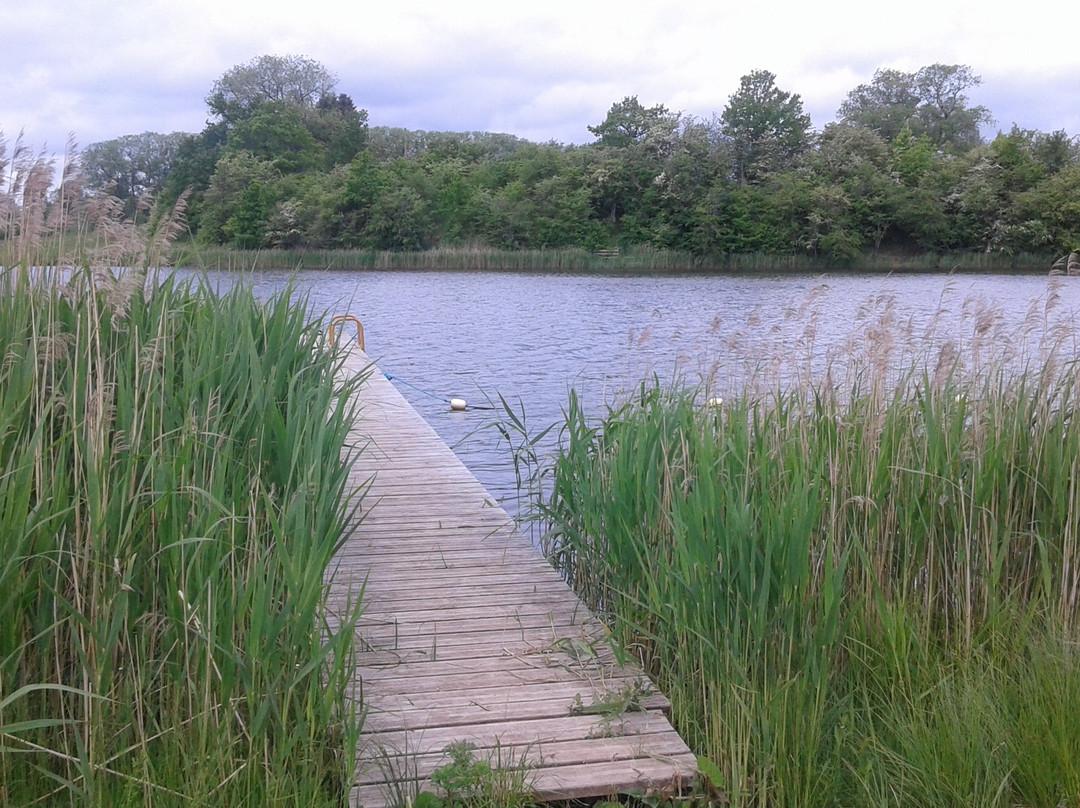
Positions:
(344, 318)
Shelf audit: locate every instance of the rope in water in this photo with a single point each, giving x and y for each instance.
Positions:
(433, 395)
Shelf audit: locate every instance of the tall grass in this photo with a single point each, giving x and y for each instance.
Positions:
(864, 593)
(635, 259)
(569, 259)
(171, 494)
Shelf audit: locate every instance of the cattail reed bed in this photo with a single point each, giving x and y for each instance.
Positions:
(857, 592)
(171, 494)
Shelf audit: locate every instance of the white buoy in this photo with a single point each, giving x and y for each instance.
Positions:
(457, 404)
(715, 403)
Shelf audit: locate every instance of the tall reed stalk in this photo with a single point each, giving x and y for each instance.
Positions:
(171, 494)
(633, 259)
(868, 597)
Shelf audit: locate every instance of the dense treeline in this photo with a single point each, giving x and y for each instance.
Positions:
(288, 161)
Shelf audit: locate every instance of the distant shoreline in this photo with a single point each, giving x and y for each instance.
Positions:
(631, 261)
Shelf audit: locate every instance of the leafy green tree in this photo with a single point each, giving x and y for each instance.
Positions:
(854, 201)
(921, 219)
(984, 196)
(239, 200)
(629, 122)
(912, 157)
(943, 110)
(616, 184)
(1030, 156)
(1048, 215)
(1055, 151)
(545, 203)
(762, 221)
(673, 185)
(132, 166)
(275, 132)
(884, 106)
(196, 160)
(283, 111)
(456, 201)
(268, 79)
(305, 212)
(766, 127)
(1016, 154)
(931, 101)
(339, 127)
(398, 220)
(248, 226)
(980, 201)
(361, 185)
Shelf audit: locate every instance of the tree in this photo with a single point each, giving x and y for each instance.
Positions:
(339, 126)
(854, 202)
(293, 79)
(943, 110)
(238, 203)
(398, 220)
(131, 166)
(1050, 212)
(912, 157)
(884, 105)
(628, 122)
(920, 215)
(765, 125)
(275, 132)
(930, 101)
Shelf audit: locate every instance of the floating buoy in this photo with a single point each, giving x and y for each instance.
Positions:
(714, 403)
(457, 403)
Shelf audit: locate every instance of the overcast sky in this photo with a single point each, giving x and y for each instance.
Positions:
(541, 70)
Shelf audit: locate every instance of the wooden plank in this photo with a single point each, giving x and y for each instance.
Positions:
(540, 731)
(549, 754)
(480, 647)
(467, 633)
(533, 703)
(448, 645)
(490, 697)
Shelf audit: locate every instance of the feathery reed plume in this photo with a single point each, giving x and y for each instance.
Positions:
(861, 586)
(165, 231)
(171, 496)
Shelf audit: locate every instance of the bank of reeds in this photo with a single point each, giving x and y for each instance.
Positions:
(638, 259)
(485, 259)
(856, 594)
(171, 494)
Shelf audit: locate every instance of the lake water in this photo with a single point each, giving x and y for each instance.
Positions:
(530, 338)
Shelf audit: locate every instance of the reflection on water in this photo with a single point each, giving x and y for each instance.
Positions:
(529, 338)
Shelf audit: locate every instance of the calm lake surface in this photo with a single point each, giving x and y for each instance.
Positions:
(530, 338)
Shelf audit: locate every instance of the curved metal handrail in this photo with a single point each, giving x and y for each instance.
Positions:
(341, 318)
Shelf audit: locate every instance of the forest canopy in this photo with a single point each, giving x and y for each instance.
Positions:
(288, 160)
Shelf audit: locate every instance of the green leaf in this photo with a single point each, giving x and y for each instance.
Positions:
(711, 772)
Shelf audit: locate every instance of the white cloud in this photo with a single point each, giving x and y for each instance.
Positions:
(543, 71)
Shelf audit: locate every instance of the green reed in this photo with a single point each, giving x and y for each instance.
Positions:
(860, 598)
(171, 495)
(634, 259)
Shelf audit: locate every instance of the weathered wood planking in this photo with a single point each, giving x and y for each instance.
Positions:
(469, 634)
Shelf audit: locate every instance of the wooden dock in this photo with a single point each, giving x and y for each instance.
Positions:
(468, 634)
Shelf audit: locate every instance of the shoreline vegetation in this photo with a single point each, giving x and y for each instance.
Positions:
(171, 498)
(641, 259)
(856, 590)
(289, 162)
(172, 492)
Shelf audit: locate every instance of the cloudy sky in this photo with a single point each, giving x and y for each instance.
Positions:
(541, 70)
